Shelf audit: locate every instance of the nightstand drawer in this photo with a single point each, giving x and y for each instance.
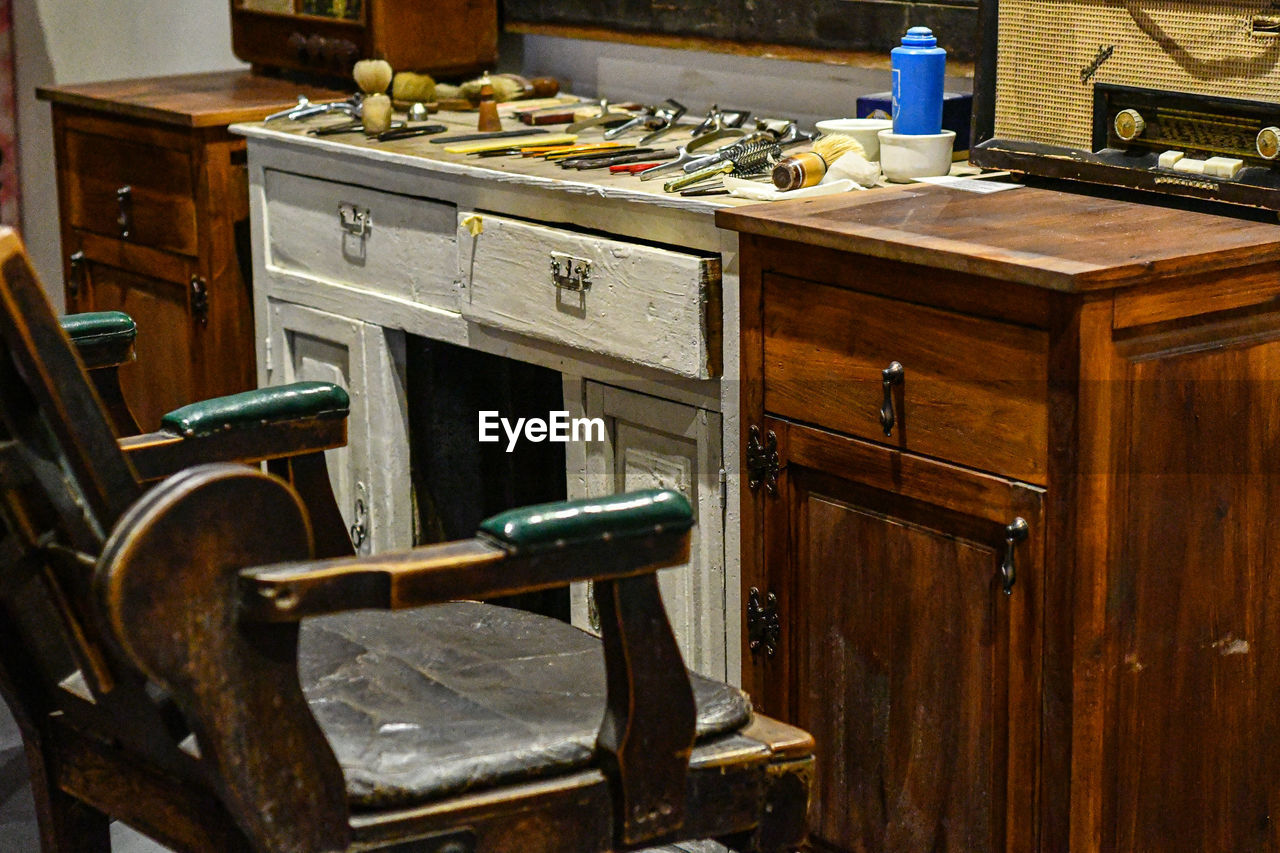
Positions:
(393, 244)
(644, 304)
(132, 191)
(971, 390)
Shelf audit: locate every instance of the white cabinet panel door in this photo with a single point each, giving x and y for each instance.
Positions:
(370, 475)
(653, 443)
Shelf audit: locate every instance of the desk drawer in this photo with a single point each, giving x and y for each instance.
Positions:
(398, 245)
(973, 391)
(131, 191)
(643, 304)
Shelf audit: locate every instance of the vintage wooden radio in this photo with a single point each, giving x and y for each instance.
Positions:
(326, 37)
(1175, 97)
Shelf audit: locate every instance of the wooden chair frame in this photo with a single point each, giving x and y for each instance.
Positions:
(149, 646)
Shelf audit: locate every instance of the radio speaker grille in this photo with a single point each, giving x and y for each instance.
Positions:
(1050, 54)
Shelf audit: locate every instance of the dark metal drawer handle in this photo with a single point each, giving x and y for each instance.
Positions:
(75, 283)
(124, 211)
(890, 376)
(1013, 534)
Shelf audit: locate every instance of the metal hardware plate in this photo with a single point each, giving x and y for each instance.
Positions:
(355, 220)
(570, 273)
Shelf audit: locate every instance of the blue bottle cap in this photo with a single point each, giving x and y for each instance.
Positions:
(919, 37)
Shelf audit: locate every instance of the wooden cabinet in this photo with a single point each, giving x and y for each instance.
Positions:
(370, 475)
(1032, 610)
(649, 443)
(914, 671)
(153, 194)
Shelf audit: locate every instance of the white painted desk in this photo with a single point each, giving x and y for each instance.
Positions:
(642, 348)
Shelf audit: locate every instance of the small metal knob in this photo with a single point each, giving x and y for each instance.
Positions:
(1129, 125)
(1268, 143)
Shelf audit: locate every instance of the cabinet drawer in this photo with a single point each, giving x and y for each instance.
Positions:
(973, 390)
(130, 190)
(643, 304)
(393, 244)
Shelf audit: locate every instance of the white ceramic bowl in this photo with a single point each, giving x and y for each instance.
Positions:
(904, 157)
(862, 129)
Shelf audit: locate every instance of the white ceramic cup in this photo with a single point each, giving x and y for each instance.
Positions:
(862, 129)
(904, 157)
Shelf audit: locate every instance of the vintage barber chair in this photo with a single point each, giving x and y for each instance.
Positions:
(177, 659)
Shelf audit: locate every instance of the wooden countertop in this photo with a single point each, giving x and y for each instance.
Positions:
(1056, 240)
(211, 99)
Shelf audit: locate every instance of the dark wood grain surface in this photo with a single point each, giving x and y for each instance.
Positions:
(1056, 240)
(1136, 715)
(190, 100)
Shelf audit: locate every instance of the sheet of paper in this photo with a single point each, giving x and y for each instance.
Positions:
(972, 185)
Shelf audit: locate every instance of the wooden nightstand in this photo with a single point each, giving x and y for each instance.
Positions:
(153, 197)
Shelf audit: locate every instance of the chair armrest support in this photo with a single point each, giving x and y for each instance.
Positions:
(253, 426)
(524, 550)
(156, 455)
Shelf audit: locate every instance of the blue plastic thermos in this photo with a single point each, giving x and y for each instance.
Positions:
(918, 68)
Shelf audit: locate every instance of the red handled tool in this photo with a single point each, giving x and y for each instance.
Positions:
(631, 168)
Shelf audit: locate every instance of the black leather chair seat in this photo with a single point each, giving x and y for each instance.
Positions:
(422, 704)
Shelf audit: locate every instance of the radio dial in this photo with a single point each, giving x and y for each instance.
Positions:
(1129, 125)
(1268, 143)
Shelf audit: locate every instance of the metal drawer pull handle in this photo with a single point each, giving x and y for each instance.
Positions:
(124, 211)
(360, 221)
(360, 527)
(890, 376)
(1013, 534)
(76, 282)
(570, 273)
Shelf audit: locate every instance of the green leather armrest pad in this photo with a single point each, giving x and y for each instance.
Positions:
(250, 408)
(615, 516)
(101, 337)
(99, 324)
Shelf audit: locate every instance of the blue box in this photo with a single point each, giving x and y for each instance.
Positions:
(957, 110)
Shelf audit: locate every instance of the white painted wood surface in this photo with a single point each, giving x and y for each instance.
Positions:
(650, 444)
(654, 438)
(643, 304)
(405, 247)
(370, 476)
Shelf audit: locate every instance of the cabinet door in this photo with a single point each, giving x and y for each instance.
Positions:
(370, 475)
(899, 649)
(162, 377)
(652, 443)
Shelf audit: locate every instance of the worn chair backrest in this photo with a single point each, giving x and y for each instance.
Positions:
(63, 483)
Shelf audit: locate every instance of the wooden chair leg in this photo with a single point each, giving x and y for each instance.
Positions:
(309, 474)
(66, 824)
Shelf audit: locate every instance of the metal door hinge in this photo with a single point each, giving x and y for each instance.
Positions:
(199, 300)
(75, 283)
(762, 460)
(764, 625)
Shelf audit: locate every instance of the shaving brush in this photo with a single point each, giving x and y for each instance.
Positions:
(846, 158)
(833, 146)
(373, 76)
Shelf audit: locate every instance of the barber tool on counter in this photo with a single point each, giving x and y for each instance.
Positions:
(373, 76)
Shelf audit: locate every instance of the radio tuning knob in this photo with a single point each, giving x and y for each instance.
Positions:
(1268, 143)
(1129, 125)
